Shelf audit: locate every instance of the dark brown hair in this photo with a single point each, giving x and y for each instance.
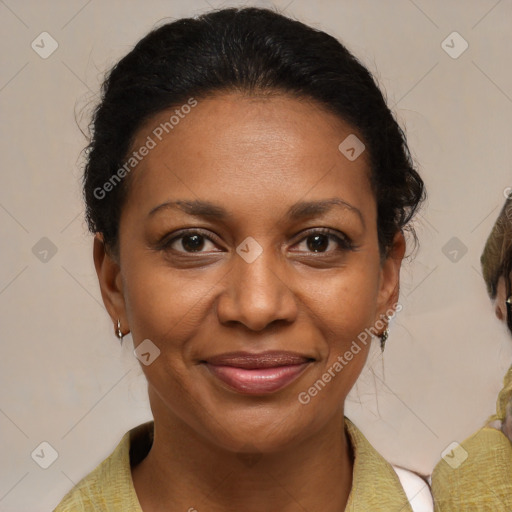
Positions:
(249, 50)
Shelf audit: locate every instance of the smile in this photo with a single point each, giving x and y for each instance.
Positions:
(257, 374)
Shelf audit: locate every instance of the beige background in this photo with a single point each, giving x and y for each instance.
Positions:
(63, 377)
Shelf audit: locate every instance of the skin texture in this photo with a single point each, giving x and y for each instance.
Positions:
(500, 307)
(255, 157)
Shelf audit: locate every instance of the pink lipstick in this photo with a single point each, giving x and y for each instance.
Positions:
(256, 374)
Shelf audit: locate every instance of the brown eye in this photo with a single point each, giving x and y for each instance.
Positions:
(188, 242)
(192, 243)
(320, 241)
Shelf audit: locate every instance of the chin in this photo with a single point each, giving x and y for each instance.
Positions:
(270, 430)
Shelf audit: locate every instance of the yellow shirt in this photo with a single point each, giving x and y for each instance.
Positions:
(483, 482)
(504, 397)
(109, 487)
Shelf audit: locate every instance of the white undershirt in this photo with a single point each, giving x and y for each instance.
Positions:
(416, 490)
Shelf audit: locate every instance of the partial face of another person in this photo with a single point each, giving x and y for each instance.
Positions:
(501, 299)
(245, 229)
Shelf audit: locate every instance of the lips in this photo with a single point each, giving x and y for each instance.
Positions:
(262, 373)
(251, 361)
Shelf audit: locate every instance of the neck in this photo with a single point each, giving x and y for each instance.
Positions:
(184, 471)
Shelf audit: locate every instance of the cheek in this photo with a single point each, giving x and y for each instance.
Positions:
(169, 310)
(165, 305)
(348, 303)
(344, 309)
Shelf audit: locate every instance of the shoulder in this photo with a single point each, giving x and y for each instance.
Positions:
(477, 472)
(109, 486)
(377, 485)
(89, 493)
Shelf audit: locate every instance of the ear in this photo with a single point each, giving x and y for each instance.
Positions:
(390, 275)
(111, 285)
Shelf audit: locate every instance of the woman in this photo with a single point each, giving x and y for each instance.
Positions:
(497, 269)
(248, 189)
(483, 480)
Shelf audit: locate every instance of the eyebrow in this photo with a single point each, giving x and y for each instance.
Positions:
(300, 210)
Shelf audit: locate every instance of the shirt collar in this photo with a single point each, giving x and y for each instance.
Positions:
(375, 485)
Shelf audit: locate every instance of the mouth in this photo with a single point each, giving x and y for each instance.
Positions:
(256, 374)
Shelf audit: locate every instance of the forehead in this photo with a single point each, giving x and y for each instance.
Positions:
(245, 151)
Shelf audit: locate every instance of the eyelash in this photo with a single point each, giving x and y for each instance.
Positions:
(343, 242)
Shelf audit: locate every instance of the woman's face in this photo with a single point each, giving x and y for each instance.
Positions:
(246, 229)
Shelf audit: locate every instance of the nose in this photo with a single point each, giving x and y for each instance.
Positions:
(257, 294)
